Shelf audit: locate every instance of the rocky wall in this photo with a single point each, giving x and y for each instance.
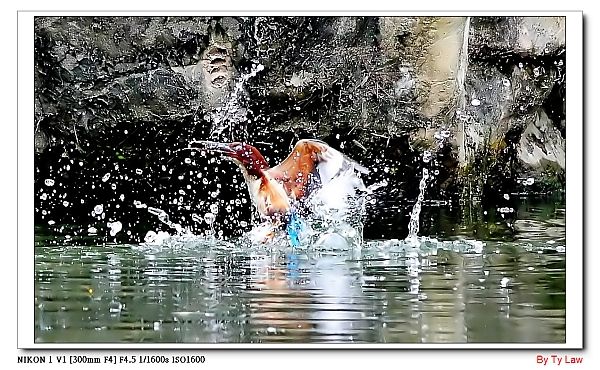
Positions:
(123, 96)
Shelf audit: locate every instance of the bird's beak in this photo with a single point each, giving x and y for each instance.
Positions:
(215, 147)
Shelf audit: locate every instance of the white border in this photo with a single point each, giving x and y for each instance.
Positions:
(574, 186)
(574, 326)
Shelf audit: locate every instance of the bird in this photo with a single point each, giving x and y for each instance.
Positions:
(313, 173)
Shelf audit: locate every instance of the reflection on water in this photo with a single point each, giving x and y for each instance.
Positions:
(387, 292)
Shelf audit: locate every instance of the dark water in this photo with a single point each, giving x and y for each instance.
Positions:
(509, 287)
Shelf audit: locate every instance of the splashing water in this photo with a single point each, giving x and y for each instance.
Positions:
(337, 211)
(441, 137)
(183, 238)
(413, 225)
(232, 113)
(164, 218)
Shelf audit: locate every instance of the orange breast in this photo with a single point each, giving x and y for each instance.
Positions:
(272, 198)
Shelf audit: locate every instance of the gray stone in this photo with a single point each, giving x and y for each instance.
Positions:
(372, 79)
(541, 143)
(442, 65)
(40, 141)
(531, 86)
(523, 35)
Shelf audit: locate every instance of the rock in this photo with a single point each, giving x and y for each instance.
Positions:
(522, 35)
(541, 143)
(395, 33)
(496, 102)
(40, 141)
(531, 85)
(442, 65)
(489, 100)
(159, 92)
(134, 91)
(432, 53)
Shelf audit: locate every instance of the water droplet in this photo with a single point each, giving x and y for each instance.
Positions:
(475, 102)
(506, 196)
(209, 218)
(51, 222)
(150, 237)
(196, 218)
(139, 204)
(98, 209)
(139, 171)
(49, 182)
(505, 210)
(427, 156)
(504, 282)
(106, 177)
(214, 208)
(115, 227)
(92, 230)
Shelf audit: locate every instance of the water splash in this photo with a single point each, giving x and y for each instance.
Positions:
(232, 114)
(413, 225)
(427, 246)
(164, 218)
(331, 218)
(441, 136)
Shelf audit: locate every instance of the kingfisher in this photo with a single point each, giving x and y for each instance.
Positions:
(313, 172)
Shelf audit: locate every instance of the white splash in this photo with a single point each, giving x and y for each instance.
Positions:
(115, 227)
(413, 225)
(164, 218)
(231, 113)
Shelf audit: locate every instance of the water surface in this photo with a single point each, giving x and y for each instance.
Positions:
(454, 289)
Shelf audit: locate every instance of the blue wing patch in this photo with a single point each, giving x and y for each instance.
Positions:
(294, 228)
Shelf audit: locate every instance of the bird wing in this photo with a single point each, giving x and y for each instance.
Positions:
(311, 164)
